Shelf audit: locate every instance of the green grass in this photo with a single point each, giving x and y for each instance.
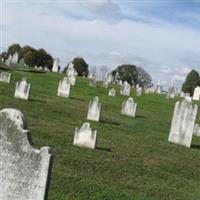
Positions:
(133, 159)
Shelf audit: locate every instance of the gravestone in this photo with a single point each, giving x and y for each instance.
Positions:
(139, 91)
(129, 107)
(5, 77)
(90, 75)
(94, 109)
(22, 89)
(196, 130)
(183, 123)
(85, 136)
(182, 94)
(46, 69)
(55, 67)
(125, 89)
(71, 74)
(64, 88)
(196, 95)
(112, 92)
(23, 168)
(92, 82)
(15, 58)
(105, 83)
(9, 60)
(149, 90)
(40, 68)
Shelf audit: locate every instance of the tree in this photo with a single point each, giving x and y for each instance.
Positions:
(192, 81)
(126, 72)
(14, 48)
(29, 58)
(80, 66)
(144, 78)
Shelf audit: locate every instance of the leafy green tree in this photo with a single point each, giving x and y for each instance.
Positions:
(127, 73)
(192, 81)
(29, 58)
(80, 66)
(14, 48)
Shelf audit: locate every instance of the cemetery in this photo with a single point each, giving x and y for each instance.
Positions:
(148, 153)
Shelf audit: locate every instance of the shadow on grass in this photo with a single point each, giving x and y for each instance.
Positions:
(141, 116)
(76, 98)
(195, 146)
(103, 149)
(38, 100)
(109, 122)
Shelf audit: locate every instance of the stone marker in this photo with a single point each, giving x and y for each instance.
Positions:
(139, 91)
(196, 95)
(112, 92)
(5, 77)
(9, 60)
(55, 67)
(46, 69)
(125, 89)
(183, 123)
(129, 107)
(22, 89)
(85, 136)
(92, 82)
(196, 130)
(94, 109)
(71, 74)
(23, 168)
(15, 58)
(64, 88)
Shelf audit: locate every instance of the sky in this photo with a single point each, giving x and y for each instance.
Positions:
(162, 36)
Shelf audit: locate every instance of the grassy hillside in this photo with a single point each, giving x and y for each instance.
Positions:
(133, 159)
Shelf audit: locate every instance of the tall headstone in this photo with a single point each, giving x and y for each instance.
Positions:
(139, 91)
(196, 95)
(94, 109)
(129, 107)
(22, 89)
(125, 89)
(15, 58)
(112, 92)
(183, 123)
(64, 88)
(92, 82)
(23, 168)
(9, 60)
(5, 77)
(85, 136)
(55, 67)
(71, 74)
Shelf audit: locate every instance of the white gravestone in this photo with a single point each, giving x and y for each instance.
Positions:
(129, 107)
(94, 109)
(55, 67)
(15, 58)
(139, 91)
(5, 77)
(196, 130)
(64, 88)
(112, 92)
(71, 74)
(85, 136)
(183, 123)
(196, 95)
(92, 82)
(23, 168)
(125, 89)
(9, 60)
(22, 89)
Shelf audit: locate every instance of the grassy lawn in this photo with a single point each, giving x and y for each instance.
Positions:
(133, 159)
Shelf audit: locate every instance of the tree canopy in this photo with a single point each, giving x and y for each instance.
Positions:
(192, 81)
(80, 66)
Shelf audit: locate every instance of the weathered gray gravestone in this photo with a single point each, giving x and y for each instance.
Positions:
(23, 168)
(64, 88)
(85, 137)
(94, 109)
(183, 123)
(196, 95)
(129, 107)
(139, 91)
(22, 89)
(196, 130)
(5, 77)
(55, 67)
(125, 89)
(112, 92)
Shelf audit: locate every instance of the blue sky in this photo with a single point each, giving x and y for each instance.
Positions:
(162, 36)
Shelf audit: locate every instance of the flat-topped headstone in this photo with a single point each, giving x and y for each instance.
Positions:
(22, 89)
(55, 67)
(196, 95)
(112, 92)
(125, 89)
(183, 122)
(94, 109)
(64, 88)
(23, 168)
(5, 77)
(196, 130)
(129, 107)
(85, 136)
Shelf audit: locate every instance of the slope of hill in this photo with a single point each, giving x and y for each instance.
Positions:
(133, 159)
